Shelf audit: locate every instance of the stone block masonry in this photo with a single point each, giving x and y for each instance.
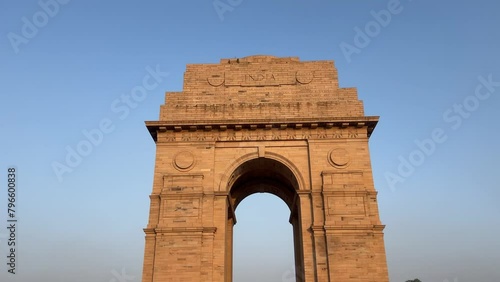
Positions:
(263, 124)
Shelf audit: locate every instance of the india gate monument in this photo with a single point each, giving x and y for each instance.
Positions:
(263, 124)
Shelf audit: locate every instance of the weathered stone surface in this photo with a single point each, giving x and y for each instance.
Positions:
(263, 124)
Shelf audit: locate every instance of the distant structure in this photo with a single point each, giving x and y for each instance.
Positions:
(263, 124)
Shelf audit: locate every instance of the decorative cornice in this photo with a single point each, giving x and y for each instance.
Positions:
(154, 196)
(344, 193)
(375, 228)
(192, 230)
(237, 125)
(149, 231)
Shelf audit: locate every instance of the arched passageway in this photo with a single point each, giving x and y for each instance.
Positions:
(264, 175)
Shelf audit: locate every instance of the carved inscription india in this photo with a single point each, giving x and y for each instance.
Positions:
(261, 78)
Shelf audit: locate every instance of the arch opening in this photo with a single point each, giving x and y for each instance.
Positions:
(264, 175)
(263, 240)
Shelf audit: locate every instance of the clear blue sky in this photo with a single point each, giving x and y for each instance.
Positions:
(419, 71)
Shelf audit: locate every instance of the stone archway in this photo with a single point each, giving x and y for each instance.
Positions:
(263, 123)
(264, 175)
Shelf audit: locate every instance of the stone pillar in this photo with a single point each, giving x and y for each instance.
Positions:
(297, 245)
(149, 256)
(207, 254)
(306, 235)
(220, 267)
(318, 230)
(229, 249)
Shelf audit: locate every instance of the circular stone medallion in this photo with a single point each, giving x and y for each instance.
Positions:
(216, 79)
(304, 77)
(184, 160)
(339, 158)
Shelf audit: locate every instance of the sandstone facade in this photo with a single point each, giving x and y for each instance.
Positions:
(263, 124)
